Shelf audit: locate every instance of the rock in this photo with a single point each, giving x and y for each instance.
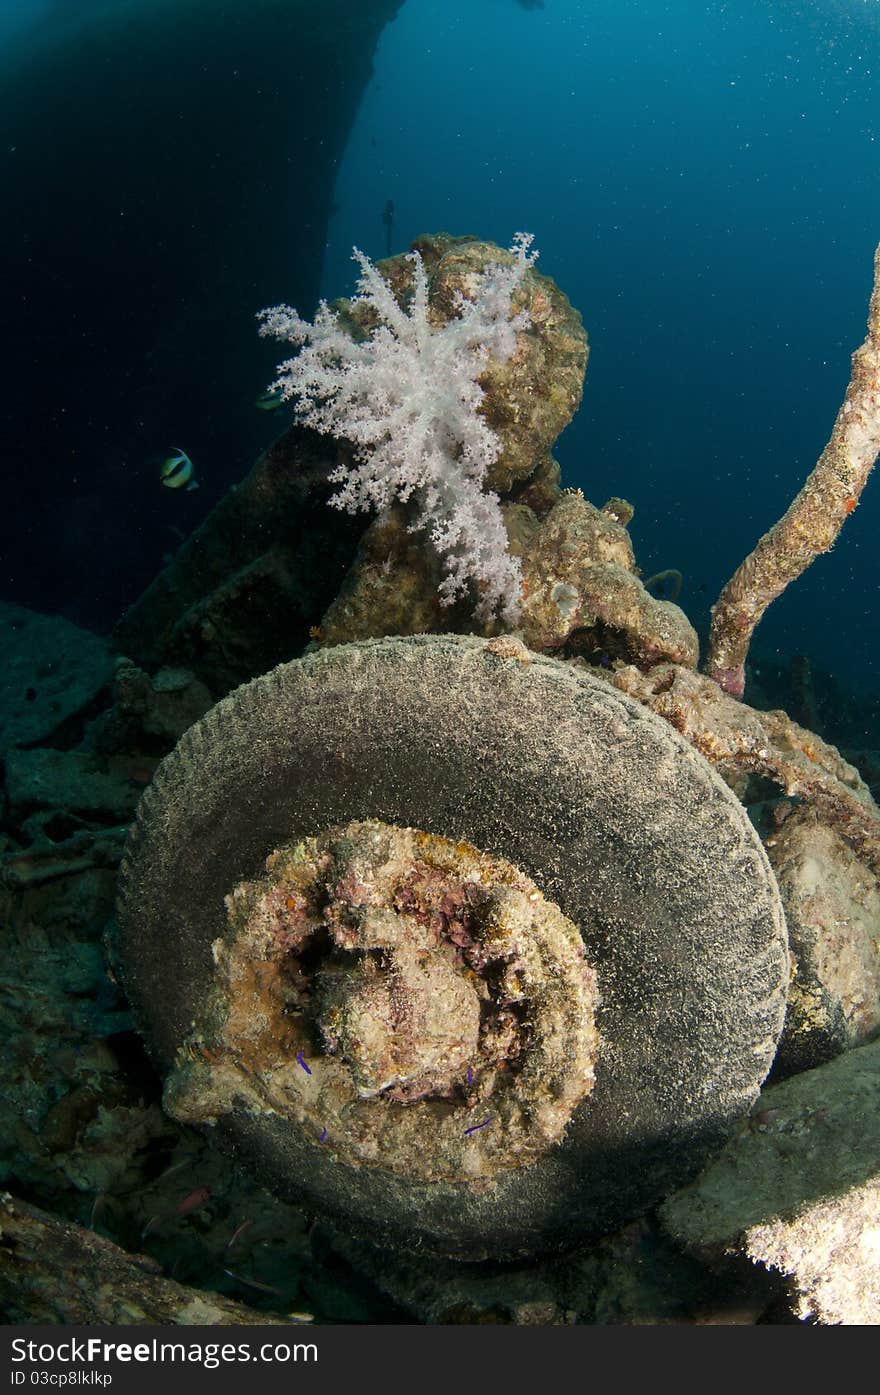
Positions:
(531, 397)
(52, 674)
(72, 781)
(70, 853)
(148, 712)
(799, 1191)
(542, 489)
(580, 592)
(391, 588)
(55, 1272)
(832, 908)
(743, 743)
(636, 1276)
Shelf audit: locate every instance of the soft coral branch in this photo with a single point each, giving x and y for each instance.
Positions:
(409, 400)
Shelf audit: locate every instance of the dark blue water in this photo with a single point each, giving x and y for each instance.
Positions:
(701, 179)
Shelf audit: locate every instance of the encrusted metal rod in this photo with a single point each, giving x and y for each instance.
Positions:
(813, 519)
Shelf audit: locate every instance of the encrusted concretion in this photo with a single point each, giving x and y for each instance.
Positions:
(411, 1003)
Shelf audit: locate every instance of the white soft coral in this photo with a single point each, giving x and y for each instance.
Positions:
(408, 398)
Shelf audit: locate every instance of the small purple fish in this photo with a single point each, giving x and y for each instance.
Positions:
(299, 1057)
(323, 1138)
(475, 1128)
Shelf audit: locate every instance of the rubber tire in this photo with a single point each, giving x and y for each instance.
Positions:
(608, 809)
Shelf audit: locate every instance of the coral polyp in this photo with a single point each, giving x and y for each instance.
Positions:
(412, 1003)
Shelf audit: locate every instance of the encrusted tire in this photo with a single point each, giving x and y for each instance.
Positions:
(574, 795)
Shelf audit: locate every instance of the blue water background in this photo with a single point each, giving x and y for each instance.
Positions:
(702, 181)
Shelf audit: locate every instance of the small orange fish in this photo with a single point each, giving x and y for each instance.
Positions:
(192, 1202)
